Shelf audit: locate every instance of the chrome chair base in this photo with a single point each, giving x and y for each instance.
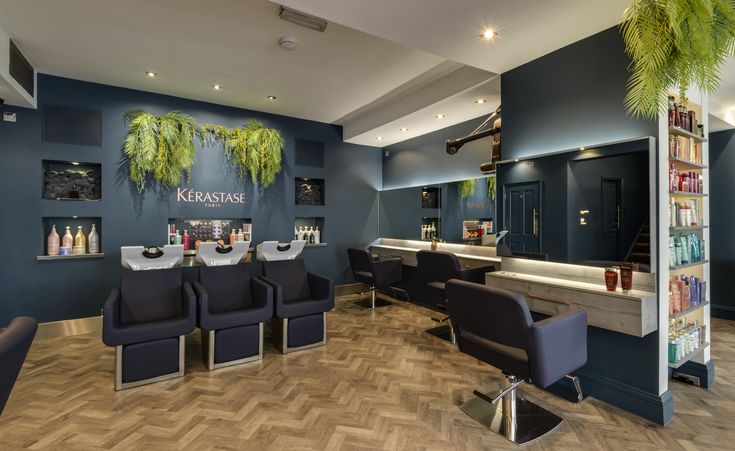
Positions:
(511, 415)
(373, 302)
(445, 333)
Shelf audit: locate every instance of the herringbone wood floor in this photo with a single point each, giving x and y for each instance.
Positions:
(380, 383)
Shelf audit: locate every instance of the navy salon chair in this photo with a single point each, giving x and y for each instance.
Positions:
(302, 300)
(375, 273)
(495, 326)
(232, 308)
(437, 268)
(14, 344)
(146, 319)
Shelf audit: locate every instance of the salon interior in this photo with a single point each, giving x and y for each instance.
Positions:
(360, 225)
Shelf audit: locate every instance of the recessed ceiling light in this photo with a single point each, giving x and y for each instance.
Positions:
(404, 129)
(581, 148)
(489, 34)
(150, 73)
(75, 163)
(516, 160)
(441, 116)
(216, 87)
(480, 101)
(380, 138)
(271, 97)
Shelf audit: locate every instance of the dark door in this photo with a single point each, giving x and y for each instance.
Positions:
(610, 223)
(522, 216)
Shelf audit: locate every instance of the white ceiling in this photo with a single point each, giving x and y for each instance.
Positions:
(722, 103)
(451, 29)
(192, 44)
(387, 62)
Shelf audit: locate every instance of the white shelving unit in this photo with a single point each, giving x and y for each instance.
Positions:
(701, 269)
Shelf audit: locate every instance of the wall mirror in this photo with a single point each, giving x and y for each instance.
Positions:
(588, 206)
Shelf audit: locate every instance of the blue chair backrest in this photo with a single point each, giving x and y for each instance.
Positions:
(14, 344)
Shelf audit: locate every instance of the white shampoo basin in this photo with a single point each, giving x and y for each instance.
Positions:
(273, 250)
(131, 257)
(207, 254)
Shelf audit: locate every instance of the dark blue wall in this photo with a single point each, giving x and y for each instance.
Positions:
(570, 98)
(72, 289)
(722, 185)
(424, 161)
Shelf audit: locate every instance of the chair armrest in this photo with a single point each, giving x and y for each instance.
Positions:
(109, 317)
(321, 287)
(387, 271)
(189, 304)
(476, 275)
(202, 300)
(262, 293)
(277, 288)
(557, 346)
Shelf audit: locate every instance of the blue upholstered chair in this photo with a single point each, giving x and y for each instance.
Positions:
(436, 268)
(302, 300)
(232, 308)
(14, 344)
(146, 319)
(375, 273)
(495, 326)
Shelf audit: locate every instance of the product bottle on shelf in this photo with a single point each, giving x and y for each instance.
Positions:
(186, 240)
(433, 231)
(240, 235)
(317, 236)
(177, 237)
(233, 236)
(80, 242)
(295, 233)
(52, 242)
(67, 240)
(311, 235)
(93, 240)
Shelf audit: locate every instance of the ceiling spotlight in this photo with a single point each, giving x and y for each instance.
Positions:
(271, 97)
(581, 148)
(216, 87)
(75, 163)
(516, 160)
(480, 101)
(441, 116)
(489, 34)
(288, 42)
(150, 73)
(404, 129)
(380, 138)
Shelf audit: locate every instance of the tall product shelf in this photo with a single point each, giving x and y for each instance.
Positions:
(683, 241)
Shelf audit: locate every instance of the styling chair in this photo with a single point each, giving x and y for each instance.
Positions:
(146, 319)
(437, 268)
(495, 326)
(375, 273)
(302, 300)
(14, 344)
(231, 311)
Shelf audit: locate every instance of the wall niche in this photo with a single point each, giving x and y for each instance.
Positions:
(309, 191)
(72, 180)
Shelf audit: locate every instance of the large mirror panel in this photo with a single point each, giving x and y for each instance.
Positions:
(589, 206)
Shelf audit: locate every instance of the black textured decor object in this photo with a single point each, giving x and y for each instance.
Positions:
(309, 191)
(72, 184)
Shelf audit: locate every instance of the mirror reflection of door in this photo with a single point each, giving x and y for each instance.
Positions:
(610, 224)
(522, 216)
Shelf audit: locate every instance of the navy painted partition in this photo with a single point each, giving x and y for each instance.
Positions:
(58, 290)
(722, 185)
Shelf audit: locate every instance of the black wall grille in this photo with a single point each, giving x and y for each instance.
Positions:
(66, 125)
(21, 69)
(309, 153)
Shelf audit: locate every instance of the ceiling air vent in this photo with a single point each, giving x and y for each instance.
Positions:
(20, 69)
(305, 20)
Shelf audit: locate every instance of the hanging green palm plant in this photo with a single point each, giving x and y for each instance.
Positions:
(467, 187)
(675, 43)
(163, 146)
(255, 151)
(491, 187)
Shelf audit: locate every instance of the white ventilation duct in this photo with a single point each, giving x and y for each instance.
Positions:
(17, 75)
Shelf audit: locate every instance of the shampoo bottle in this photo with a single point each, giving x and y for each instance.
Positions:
(52, 243)
(68, 240)
(240, 235)
(317, 236)
(186, 240)
(80, 242)
(93, 240)
(177, 237)
(233, 236)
